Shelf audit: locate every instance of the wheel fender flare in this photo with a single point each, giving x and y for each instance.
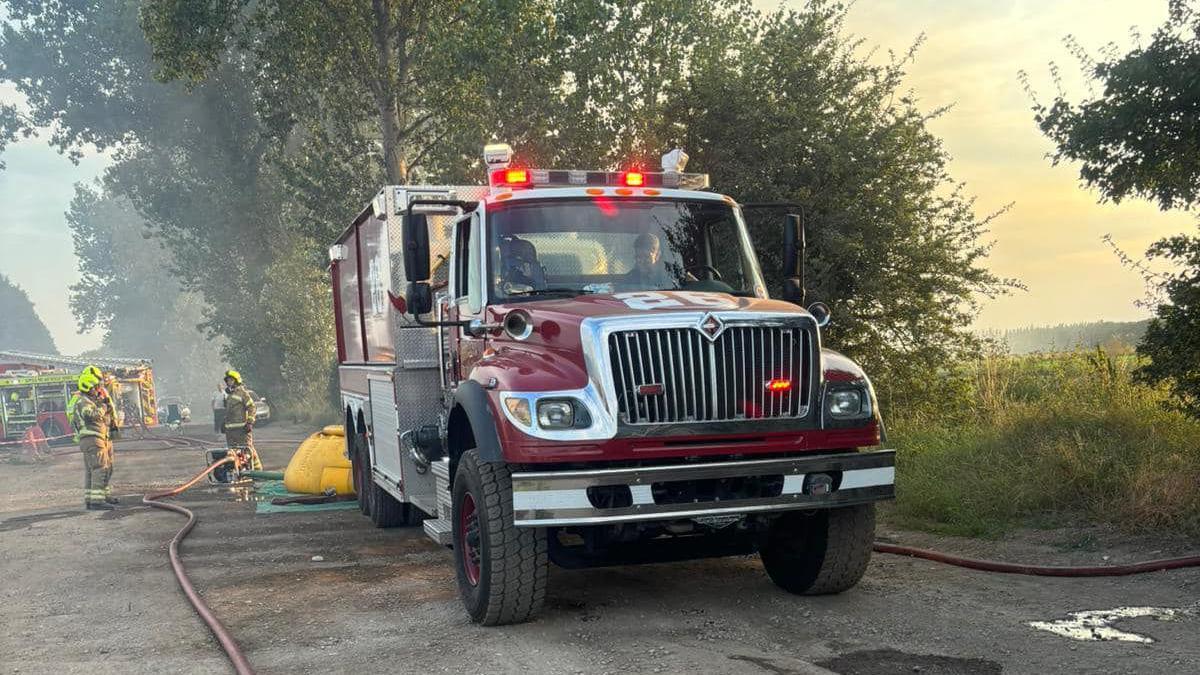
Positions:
(473, 399)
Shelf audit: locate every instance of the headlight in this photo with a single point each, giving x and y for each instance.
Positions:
(519, 409)
(562, 413)
(847, 403)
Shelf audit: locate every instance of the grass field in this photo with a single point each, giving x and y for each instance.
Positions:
(1048, 439)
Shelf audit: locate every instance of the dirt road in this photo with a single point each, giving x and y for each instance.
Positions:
(86, 592)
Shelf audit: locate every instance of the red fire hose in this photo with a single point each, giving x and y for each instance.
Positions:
(236, 657)
(1041, 570)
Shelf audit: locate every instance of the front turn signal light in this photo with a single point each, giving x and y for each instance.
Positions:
(519, 409)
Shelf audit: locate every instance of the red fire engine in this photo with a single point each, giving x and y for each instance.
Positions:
(585, 368)
(35, 390)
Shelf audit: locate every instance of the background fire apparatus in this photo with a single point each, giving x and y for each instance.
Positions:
(36, 388)
(585, 368)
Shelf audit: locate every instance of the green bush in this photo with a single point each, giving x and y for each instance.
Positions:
(1048, 439)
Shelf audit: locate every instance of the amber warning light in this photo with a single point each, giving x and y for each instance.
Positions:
(779, 385)
(633, 178)
(511, 178)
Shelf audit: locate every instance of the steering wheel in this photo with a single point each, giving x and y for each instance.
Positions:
(700, 266)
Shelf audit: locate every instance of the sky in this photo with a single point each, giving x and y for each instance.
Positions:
(1050, 240)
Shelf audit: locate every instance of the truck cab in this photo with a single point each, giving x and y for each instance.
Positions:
(586, 368)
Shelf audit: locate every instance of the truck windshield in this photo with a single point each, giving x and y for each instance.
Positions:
(566, 247)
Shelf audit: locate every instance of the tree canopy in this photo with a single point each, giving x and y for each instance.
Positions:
(127, 291)
(1140, 136)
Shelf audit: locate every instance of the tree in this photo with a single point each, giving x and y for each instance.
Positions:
(127, 291)
(1140, 137)
(790, 112)
(396, 73)
(361, 94)
(195, 163)
(21, 328)
(1172, 340)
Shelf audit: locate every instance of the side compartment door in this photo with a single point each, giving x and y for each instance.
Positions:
(385, 443)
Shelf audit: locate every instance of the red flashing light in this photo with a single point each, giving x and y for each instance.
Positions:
(633, 178)
(654, 389)
(511, 178)
(779, 385)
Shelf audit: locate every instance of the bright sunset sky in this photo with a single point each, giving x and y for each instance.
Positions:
(974, 49)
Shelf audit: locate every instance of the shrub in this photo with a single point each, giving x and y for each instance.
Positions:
(1049, 438)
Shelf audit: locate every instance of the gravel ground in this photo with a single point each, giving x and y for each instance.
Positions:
(86, 592)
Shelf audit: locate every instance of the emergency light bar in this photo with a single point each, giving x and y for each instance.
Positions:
(529, 178)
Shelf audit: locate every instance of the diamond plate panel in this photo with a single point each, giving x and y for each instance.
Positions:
(417, 347)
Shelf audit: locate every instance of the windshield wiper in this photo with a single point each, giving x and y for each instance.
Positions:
(533, 292)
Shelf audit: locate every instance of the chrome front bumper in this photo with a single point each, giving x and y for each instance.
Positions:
(555, 498)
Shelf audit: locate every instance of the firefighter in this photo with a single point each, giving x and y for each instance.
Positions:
(239, 417)
(91, 420)
(87, 370)
(648, 273)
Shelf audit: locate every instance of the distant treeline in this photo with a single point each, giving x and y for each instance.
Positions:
(1113, 336)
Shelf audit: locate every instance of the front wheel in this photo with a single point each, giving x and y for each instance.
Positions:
(820, 552)
(501, 568)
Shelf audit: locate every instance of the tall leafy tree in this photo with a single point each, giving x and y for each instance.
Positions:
(1138, 136)
(127, 291)
(21, 328)
(194, 162)
(359, 94)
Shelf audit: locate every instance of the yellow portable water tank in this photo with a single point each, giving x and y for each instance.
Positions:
(320, 463)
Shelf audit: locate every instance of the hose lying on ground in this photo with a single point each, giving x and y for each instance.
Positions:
(264, 475)
(1041, 570)
(236, 657)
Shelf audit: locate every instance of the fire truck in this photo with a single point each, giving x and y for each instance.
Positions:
(585, 368)
(29, 399)
(35, 390)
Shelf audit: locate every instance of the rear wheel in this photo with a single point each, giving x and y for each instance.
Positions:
(501, 569)
(360, 470)
(384, 509)
(821, 552)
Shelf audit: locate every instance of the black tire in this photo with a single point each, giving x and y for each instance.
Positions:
(822, 552)
(501, 569)
(359, 470)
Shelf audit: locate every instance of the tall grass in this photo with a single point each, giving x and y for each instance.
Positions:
(1050, 438)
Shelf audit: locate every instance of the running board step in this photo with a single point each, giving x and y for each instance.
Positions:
(439, 530)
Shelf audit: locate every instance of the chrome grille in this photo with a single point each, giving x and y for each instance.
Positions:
(678, 375)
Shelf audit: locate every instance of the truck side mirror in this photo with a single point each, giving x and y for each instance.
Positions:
(416, 263)
(793, 259)
(420, 298)
(416, 247)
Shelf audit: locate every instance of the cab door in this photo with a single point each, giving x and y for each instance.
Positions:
(466, 297)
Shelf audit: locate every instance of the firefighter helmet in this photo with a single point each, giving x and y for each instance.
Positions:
(87, 382)
(94, 371)
(234, 375)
